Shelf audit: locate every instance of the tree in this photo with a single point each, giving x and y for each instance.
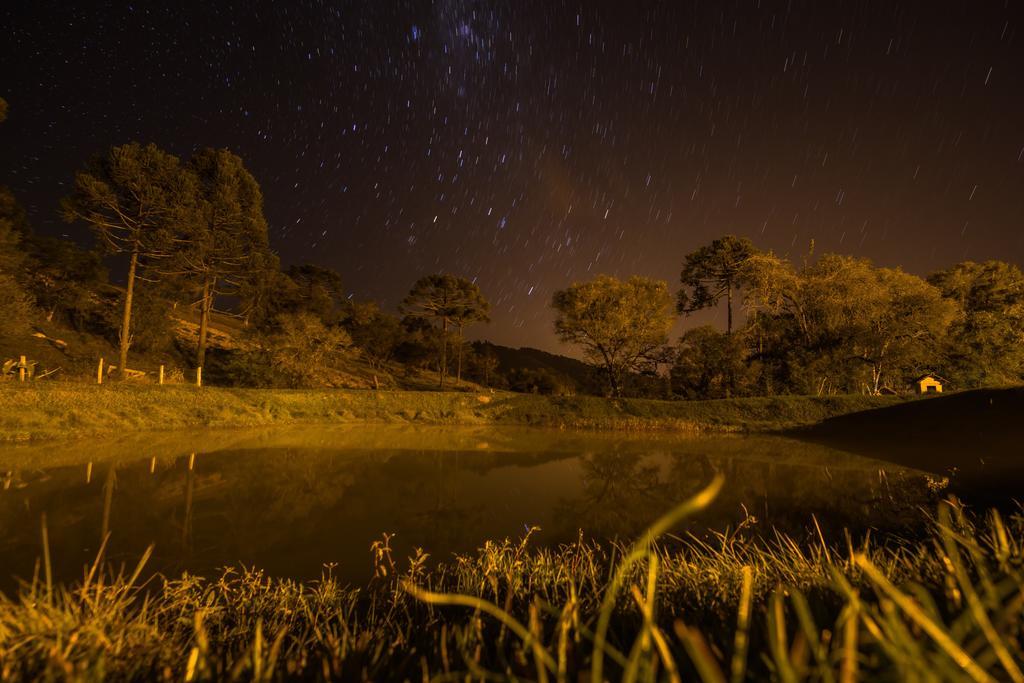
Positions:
(15, 303)
(267, 295)
(13, 229)
(903, 319)
(65, 279)
(154, 330)
(444, 300)
(320, 291)
(14, 213)
(133, 198)
(707, 364)
(986, 341)
(300, 352)
(540, 381)
(471, 308)
(304, 349)
(226, 246)
(420, 343)
(377, 335)
(484, 362)
(842, 323)
(620, 325)
(714, 271)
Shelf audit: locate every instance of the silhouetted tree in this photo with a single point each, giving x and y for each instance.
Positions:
(618, 324)
(320, 291)
(65, 279)
(15, 303)
(420, 345)
(14, 213)
(471, 308)
(540, 381)
(712, 272)
(56, 273)
(484, 363)
(225, 247)
(376, 333)
(133, 198)
(444, 300)
(707, 364)
(266, 295)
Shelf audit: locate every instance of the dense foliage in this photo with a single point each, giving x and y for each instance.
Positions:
(619, 325)
(839, 324)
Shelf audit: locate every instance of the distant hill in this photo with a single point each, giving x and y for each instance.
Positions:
(527, 358)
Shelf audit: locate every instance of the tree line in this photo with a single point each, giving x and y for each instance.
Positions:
(831, 324)
(192, 234)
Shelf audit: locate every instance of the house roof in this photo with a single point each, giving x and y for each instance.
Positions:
(931, 375)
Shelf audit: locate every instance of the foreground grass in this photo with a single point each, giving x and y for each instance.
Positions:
(59, 410)
(948, 607)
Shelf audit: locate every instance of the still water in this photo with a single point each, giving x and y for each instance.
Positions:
(292, 500)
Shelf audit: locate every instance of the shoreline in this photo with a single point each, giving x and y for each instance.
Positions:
(61, 411)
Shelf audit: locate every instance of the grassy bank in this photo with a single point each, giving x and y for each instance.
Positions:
(59, 410)
(979, 431)
(947, 607)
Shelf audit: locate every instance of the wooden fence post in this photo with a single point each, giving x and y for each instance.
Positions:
(199, 376)
(22, 366)
(99, 372)
(161, 374)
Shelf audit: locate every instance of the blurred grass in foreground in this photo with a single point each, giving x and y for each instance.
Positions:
(946, 607)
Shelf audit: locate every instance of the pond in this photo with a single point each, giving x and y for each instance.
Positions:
(294, 500)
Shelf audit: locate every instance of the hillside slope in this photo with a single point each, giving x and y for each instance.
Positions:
(527, 358)
(978, 434)
(65, 354)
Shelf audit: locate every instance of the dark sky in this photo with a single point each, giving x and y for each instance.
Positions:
(531, 143)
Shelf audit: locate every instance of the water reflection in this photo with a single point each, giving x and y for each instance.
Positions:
(291, 502)
(623, 492)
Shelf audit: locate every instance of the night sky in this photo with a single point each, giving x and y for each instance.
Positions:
(531, 143)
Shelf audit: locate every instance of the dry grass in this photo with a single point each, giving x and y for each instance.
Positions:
(60, 410)
(735, 607)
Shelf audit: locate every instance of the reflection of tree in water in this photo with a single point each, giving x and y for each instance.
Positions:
(418, 495)
(287, 499)
(277, 499)
(622, 492)
(298, 506)
(625, 492)
(689, 473)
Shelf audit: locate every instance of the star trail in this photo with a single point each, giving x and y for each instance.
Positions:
(527, 144)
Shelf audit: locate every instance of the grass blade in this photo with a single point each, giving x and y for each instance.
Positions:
(911, 609)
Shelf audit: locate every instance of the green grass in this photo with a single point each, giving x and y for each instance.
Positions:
(58, 410)
(735, 607)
